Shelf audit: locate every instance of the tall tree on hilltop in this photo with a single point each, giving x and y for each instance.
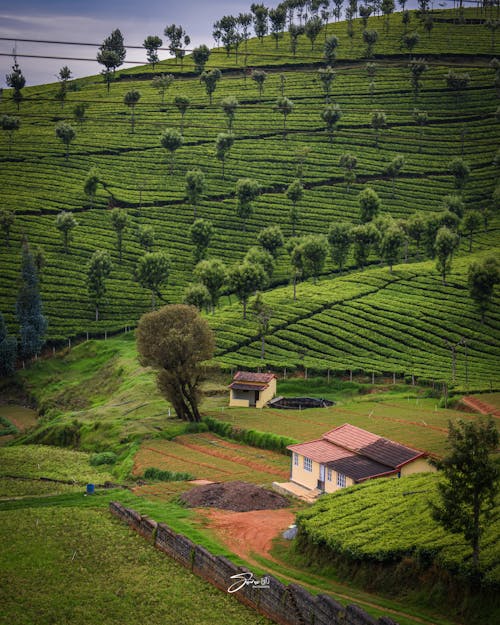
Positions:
(312, 29)
(410, 41)
(387, 7)
(260, 15)
(330, 49)
(482, 278)
(65, 223)
(63, 77)
(119, 222)
(130, 99)
(277, 17)
(152, 273)
(98, 271)
(201, 54)
(111, 55)
(370, 37)
(195, 187)
(176, 341)
(470, 482)
(33, 324)
(294, 32)
(152, 44)
(178, 40)
(16, 81)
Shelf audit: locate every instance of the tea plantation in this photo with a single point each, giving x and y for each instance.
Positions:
(371, 319)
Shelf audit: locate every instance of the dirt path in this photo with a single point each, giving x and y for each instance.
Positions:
(481, 406)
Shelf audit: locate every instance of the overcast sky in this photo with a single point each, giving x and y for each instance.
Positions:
(93, 20)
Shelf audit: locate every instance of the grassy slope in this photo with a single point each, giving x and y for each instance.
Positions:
(133, 169)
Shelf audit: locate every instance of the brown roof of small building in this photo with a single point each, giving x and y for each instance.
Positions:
(250, 376)
(360, 468)
(320, 451)
(240, 386)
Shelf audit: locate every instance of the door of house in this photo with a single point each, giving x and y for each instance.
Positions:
(321, 481)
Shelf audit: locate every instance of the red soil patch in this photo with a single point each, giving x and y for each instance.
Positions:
(237, 496)
(248, 532)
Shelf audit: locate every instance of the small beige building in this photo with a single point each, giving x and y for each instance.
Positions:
(349, 455)
(252, 389)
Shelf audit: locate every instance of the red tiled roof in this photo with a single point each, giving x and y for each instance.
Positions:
(250, 376)
(375, 447)
(320, 451)
(240, 386)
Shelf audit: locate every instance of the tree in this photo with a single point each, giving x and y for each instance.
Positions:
(331, 115)
(260, 15)
(152, 273)
(63, 77)
(66, 133)
(339, 239)
(492, 26)
(8, 351)
(98, 270)
(457, 82)
(65, 223)
(223, 145)
(394, 169)
(371, 71)
(314, 254)
(247, 190)
(79, 113)
(330, 49)
(245, 279)
(229, 106)
(176, 342)
(416, 229)
(229, 34)
(263, 314)
(146, 237)
(295, 249)
(178, 39)
(130, 99)
(421, 119)
(197, 295)
(429, 25)
(387, 9)
(212, 273)
(33, 324)
(326, 76)
(391, 245)
(294, 32)
(285, 107)
(378, 122)
(277, 17)
(363, 238)
(259, 256)
(271, 239)
(182, 104)
(111, 55)
(417, 67)
(470, 224)
(171, 140)
(482, 278)
(210, 80)
(349, 162)
(201, 54)
(244, 21)
(259, 76)
(152, 43)
(90, 185)
(364, 12)
(119, 222)
(461, 172)
(312, 29)
(454, 204)
(7, 219)
(369, 204)
(16, 81)
(370, 37)
(444, 246)
(39, 260)
(295, 193)
(467, 492)
(10, 125)
(161, 84)
(201, 233)
(405, 18)
(195, 187)
(410, 41)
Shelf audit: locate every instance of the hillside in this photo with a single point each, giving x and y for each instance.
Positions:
(370, 320)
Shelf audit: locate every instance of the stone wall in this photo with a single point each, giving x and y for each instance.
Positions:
(286, 605)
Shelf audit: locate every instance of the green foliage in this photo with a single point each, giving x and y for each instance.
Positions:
(6, 427)
(104, 457)
(195, 187)
(271, 239)
(119, 221)
(482, 278)
(369, 204)
(245, 279)
(152, 273)
(212, 274)
(201, 54)
(152, 43)
(98, 271)
(152, 473)
(65, 223)
(263, 440)
(201, 233)
(210, 80)
(8, 350)
(171, 140)
(446, 242)
(66, 133)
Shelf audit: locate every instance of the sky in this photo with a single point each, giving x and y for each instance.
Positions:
(90, 21)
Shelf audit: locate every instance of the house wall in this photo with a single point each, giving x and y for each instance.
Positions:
(309, 479)
(421, 465)
(239, 399)
(331, 485)
(267, 394)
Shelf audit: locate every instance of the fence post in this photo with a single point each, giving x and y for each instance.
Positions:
(87, 336)
(394, 378)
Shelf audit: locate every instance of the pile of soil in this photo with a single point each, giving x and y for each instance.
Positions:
(237, 496)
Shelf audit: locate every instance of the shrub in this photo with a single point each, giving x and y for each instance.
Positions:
(105, 457)
(152, 473)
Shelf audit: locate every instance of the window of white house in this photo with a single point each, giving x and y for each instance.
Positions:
(308, 464)
(329, 475)
(341, 480)
(295, 459)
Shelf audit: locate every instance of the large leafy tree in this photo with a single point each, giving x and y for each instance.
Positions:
(210, 80)
(98, 271)
(393, 170)
(271, 239)
(162, 83)
(260, 17)
(444, 246)
(331, 115)
(482, 278)
(470, 481)
(211, 273)
(178, 40)
(229, 106)
(171, 140)
(259, 76)
(314, 254)
(152, 44)
(66, 134)
(182, 103)
(63, 77)
(65, 223)
(201, 54)
(391, 245)
(201, 233)
(245, 279)
(195, 186)
(369, 204)
(32, 322)
(152, 273)
(339, 238)
(247, 191)
(349, 162)
(111, 55)
(119, 222)
(312, 29)
(176, 341)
